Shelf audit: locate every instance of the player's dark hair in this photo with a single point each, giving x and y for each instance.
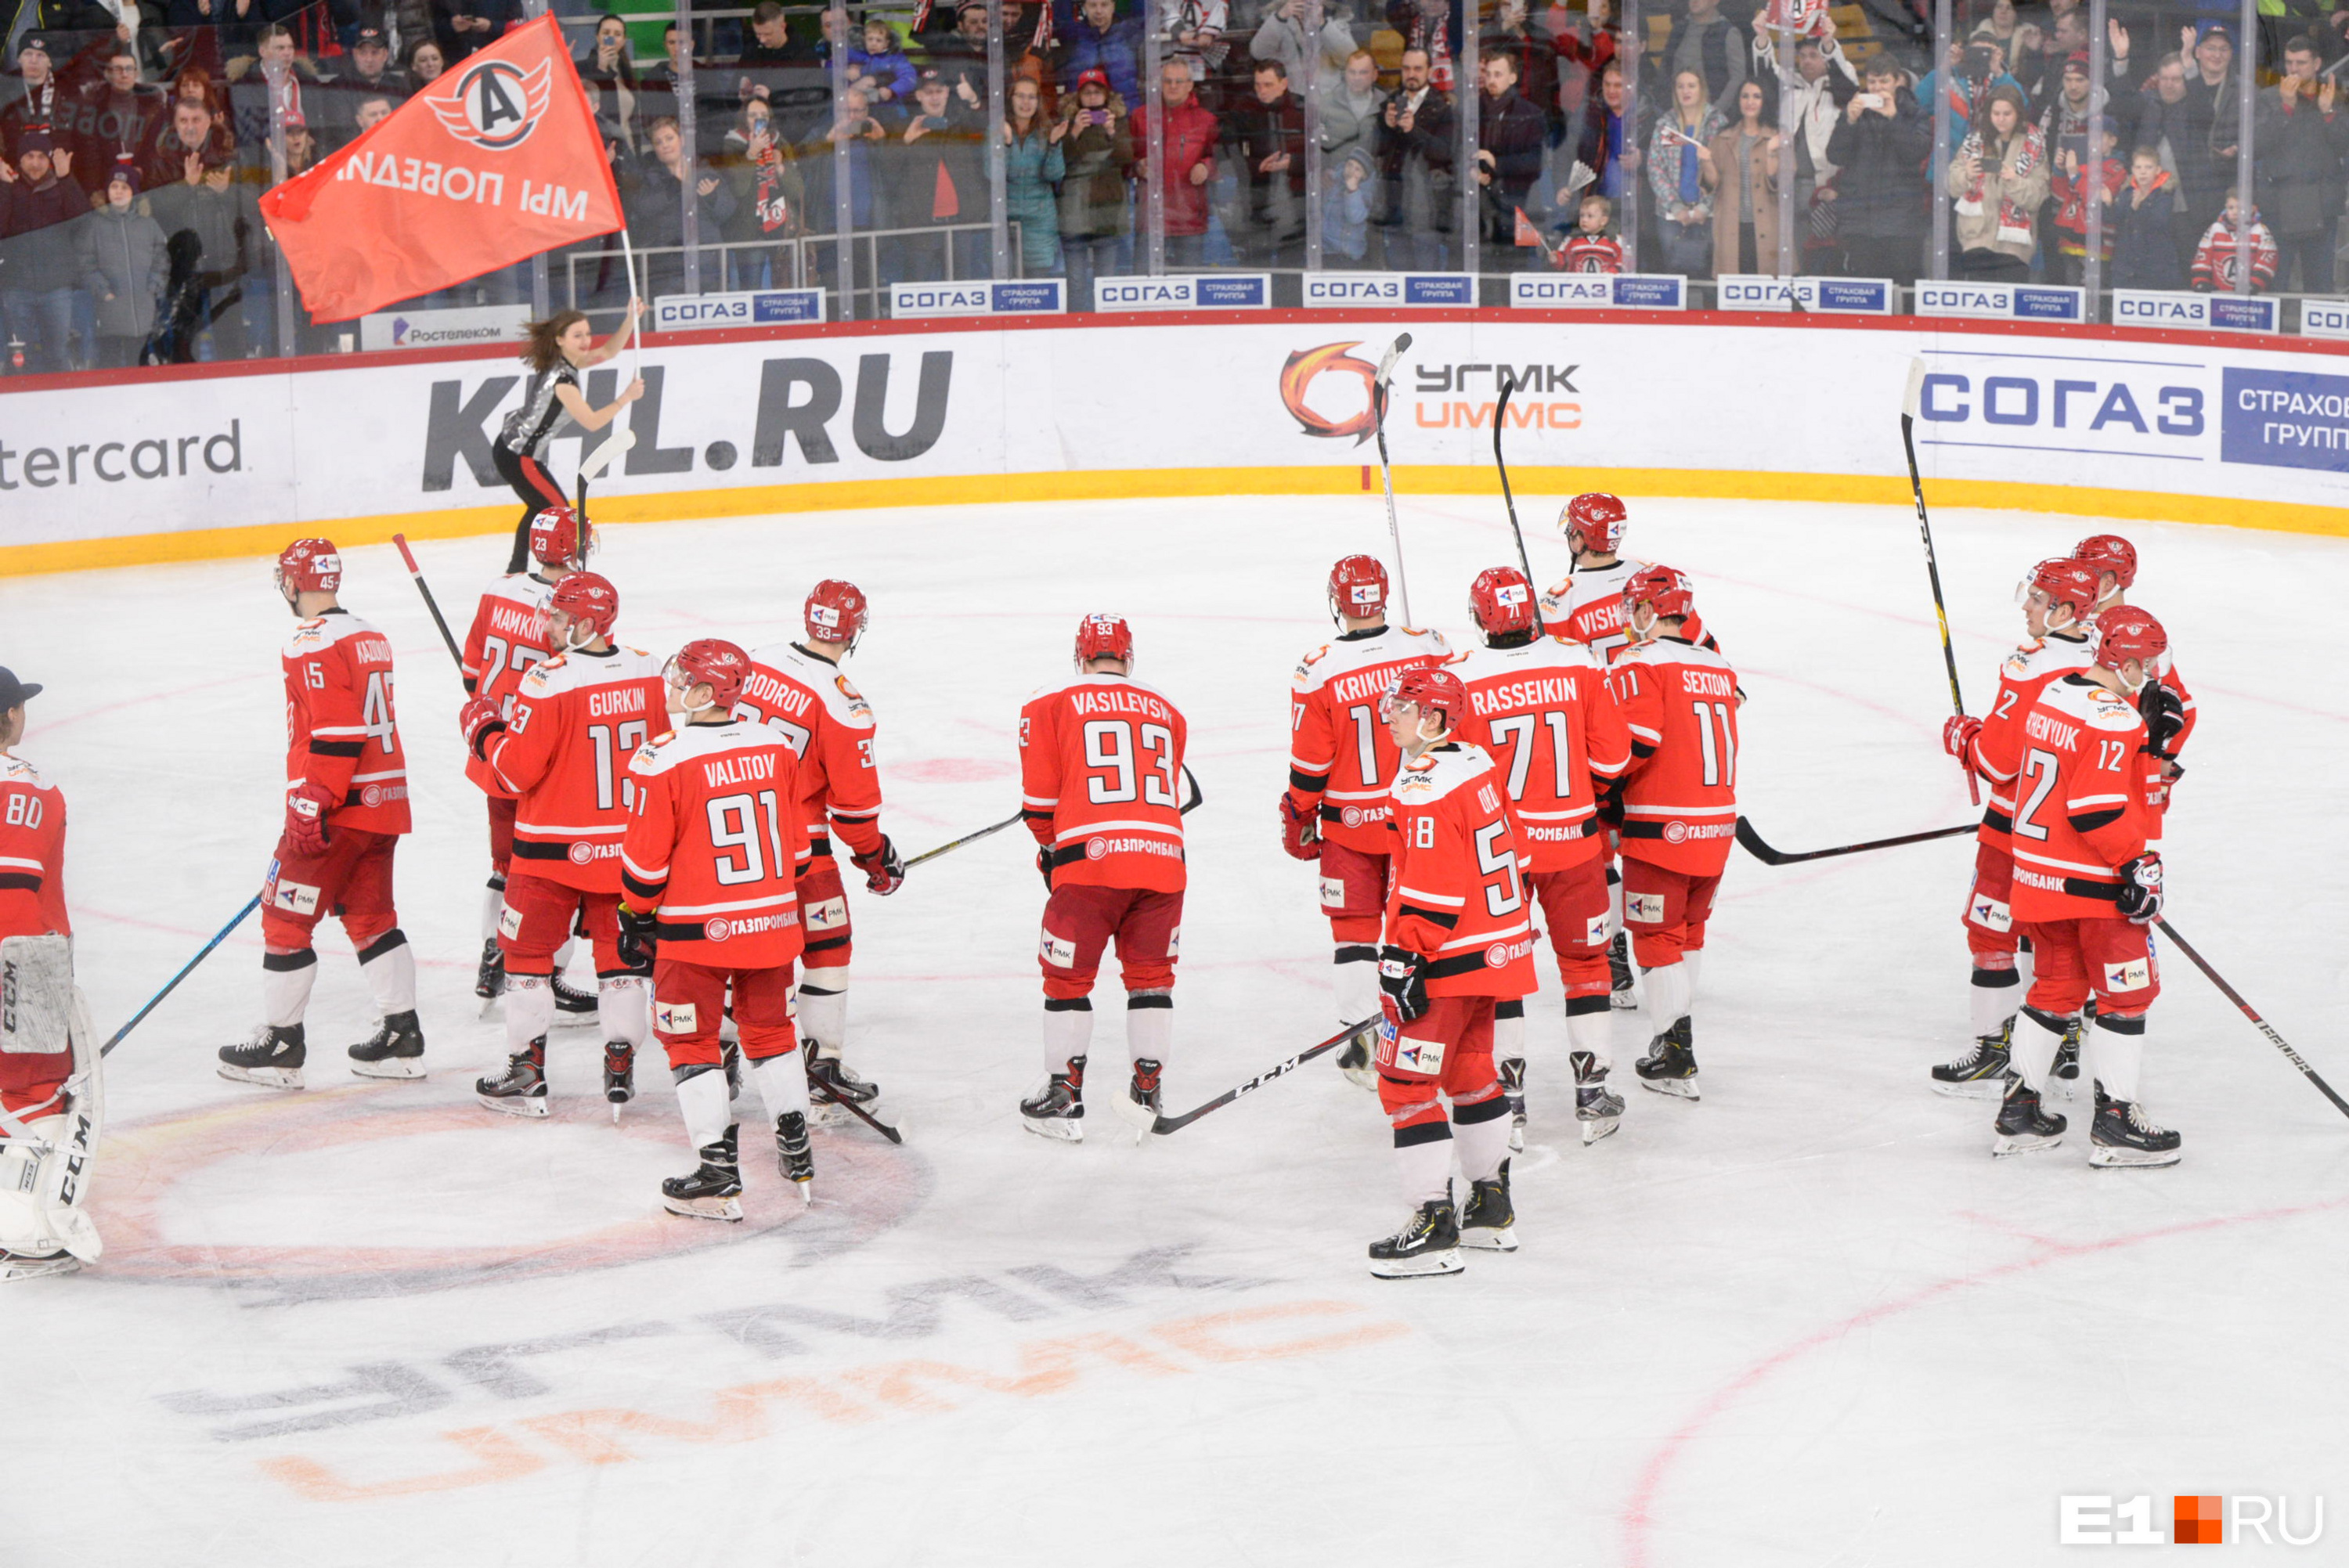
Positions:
(542, 346)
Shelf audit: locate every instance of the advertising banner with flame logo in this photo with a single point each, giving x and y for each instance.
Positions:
(497, 161)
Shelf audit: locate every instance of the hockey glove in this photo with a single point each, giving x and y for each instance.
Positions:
(2164, 719)
(477, 721)
(638, 945)
(1958, 733)
(2140, 896)
(1403, 985)
(1610, 803)
(1044, 866)
(306, 806)
(1300, 829)
(883, 869)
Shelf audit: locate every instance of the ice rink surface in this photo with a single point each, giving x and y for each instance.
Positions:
(1807, 1321)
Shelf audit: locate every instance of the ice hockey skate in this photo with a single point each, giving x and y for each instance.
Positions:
(1670, 1066)
(2123, 1137)
(1489, 1223)
(273, 1057)
(1598, 1109)
(1428, 1244)
(1981, 1071)
(1512, 1072)
(395, 1050)
(619, 1073)
(1137, 1106)
(713, 1189)
(520, 1089)
(1058, 1110)
(793, 1155)
(2023, 1128)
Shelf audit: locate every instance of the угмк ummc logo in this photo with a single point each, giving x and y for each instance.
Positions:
(1305, 367)
(497, 104)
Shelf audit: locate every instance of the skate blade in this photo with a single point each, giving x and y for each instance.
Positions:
(1678, 1088)
(514, 1105)
(390, 1067)
(268, 1078)
(2104, 1156)
(1426, 1265)
(824, 1113)
(1058, 1130)
(1973, 1089)
(2027, 1143)
(564, 1020)
(1490, 1239)
(37, 1268)
(1599, 1127)
(807, 1192)
(727, 1209)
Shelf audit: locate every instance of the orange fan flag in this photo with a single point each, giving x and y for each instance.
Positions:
(498, 160)
(1527, 233)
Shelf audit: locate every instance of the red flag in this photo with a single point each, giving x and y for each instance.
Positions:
(943, 203)
(497, 161)
(1527, 233)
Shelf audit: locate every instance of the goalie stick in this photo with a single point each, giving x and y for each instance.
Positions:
(1166, 1124)
(1910, 401)
(1753, 844)
(1198, 797)
(1386, 474)
(2236, 997)
(185, 970)
(417, 572)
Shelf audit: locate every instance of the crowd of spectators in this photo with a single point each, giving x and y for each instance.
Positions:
(137, 139)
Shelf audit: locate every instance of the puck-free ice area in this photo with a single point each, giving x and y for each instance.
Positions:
(1807, 1321)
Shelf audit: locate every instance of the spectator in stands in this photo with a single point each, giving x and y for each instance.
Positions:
(114, 118)
(653, 189)
(35, 97)
(1824, 84)
(1586, 44)
(2201, 126)
(1880, 150)
(1957, 91)
(2144, 222)
(1283, 38)
(1999, 177)
(220, 216)
(1268, 135)
(271, 80)
(610, 78)
(2122, 99)
(1348, 188)
(120, 252)
(1418, 162)
(1098, 150)
(2039, 71)
(1677, 155)
(2072, 184)
(1608, 146)
(372, 112)
(961, 55)
(1704, 42)
(463, 26)
(301, 146)
(1510, 135)
(882, 66)
(939, 178)
(1350, 111)
(1196, 29)
(1187, 154)
(1743, 174)
(368, 67)
(1033, 167)
(770, 202)
(1592, 247)
(1528, 45)
(426, 62)
(37, 271)
(770, 66)
(854, 128)
(1103, 41)
(1433, 27)
(2217, 262)
(2299, 143)
(192, 133)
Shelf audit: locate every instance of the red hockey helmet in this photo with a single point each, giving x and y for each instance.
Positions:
(835, 612)
(1663, 589)
(1501, 600)
(2108, 553)
(1595, 520)
(590, 600)
(1104, 636)
(2126, 633)
(712, 662)
(1358, 587)
(310, 566)
(561, 537)
(1431, 688)
(2065, 580)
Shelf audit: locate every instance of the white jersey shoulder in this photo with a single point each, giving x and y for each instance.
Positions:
(1585, 584)
(572, 671)
(526, 589)
(17, 770)
(1345, 656)
(2092, 705)
(1437, 772)
(841, 701)
(322, 632)
(1665, 651)
(691, 742)
(1479, 663)
(2047, 655)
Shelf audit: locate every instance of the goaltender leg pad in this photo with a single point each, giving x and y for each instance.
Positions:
(36, 995)
(47, 1160)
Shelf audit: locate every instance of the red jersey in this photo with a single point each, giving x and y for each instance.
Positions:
(713, 843)
(1457, 896)
(341, 730)
(1546, 714)
(1100, 776)
(576, 722)
(1341, 759)
(509, 636)
(1680, 805)
(1997, 751)
(2084, 813)
(807, 701)
(32, 852)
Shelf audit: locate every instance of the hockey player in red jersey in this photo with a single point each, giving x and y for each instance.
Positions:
(1680, 809)
(1341, 762)
(561, 745)
(1542, 709)
(51, 1099)
(1458, 943)
(2087, 882)
(346, 808)
(708, 902)
(508, 636)
(799, 690)
(2168, 705)
(2059, 601)
(1101, 771)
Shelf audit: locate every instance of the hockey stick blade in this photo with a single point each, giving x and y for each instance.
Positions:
(1913, 398)
(2248, 1011)
(1394, 352)
(1752, 843)
(1166, 1124)
(591, 467)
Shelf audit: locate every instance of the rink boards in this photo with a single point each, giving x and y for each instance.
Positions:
(214, 460)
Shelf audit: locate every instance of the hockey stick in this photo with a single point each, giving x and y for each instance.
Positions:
(591, 467)
(823, 1096)
(1166, 1124)
(1198, 797)
(418, 573)
(202, 954)
(1753, 844)
(1500, 409)
(2236, 997)
(1386, 475)
(1909, 402)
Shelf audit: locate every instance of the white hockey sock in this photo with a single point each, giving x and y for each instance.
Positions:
(623, 1007)
(823, 1008)
(1691, 965)
(1509, 1032)
(285, 981)
(1668, 995)
(1614, 904)
(389, 964)
(1068, 1033)
(2034, 1046)
(702, 1101)
(782, 1083)
(494, 905)
(1993, 1003)
(1355, 981)
(1593, 1032)
(563, 955)
(1483, 1144)
(529, 1010)
(1426, 1168)
(1149, 1027)
(2024, 967)
(2115, 1050)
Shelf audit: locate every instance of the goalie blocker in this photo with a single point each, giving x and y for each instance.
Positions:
(52, 1110)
